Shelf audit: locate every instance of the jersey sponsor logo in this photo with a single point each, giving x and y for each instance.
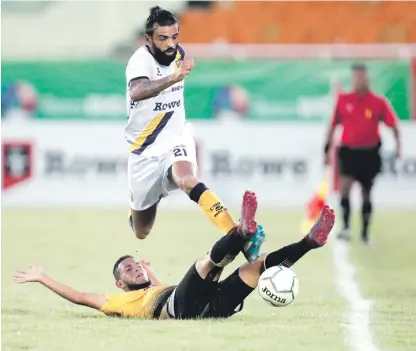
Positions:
(224, 163)
(58, 163)
(160, 106)
(218, 208)
(177, 88)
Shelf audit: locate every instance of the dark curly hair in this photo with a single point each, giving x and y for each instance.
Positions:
(158, 16)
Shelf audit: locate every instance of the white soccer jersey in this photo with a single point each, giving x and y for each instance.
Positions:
(154, 124)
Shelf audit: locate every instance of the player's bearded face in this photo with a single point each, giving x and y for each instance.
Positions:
(164, 43)
(134, 276)
(165, 56)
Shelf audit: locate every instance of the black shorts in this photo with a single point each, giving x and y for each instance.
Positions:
(361, 164)
(196, 298)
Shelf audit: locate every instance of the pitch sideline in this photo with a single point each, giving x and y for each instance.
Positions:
(356, 325)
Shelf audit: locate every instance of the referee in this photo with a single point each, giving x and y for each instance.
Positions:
(359, 113)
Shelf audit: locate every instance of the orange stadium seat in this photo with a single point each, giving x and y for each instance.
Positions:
(301, 22)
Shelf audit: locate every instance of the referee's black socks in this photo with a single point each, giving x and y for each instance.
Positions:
(345, 206)
(366, 211)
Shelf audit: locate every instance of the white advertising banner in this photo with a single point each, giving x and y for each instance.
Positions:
(85, 164)
(283, 163)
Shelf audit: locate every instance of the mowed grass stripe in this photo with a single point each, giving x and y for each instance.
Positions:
(386, 272)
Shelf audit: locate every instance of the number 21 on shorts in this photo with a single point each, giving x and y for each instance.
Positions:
(179, 151)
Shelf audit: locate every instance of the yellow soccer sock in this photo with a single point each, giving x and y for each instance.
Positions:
(213, 207)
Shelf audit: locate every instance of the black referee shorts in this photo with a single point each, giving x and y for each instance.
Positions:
(361, 164)
(196, 298)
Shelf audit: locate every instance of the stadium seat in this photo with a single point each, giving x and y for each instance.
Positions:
(322, 22)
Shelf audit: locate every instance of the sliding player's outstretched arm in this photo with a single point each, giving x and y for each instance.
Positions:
(36, 275)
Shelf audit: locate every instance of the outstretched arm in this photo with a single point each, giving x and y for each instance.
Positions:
(35, 274)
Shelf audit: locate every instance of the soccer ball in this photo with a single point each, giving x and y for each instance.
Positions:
(278, 285)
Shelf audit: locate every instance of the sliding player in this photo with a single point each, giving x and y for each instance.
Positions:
(200, 294)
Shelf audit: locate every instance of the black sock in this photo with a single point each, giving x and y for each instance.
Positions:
(226, 249)
(345, 205)
(366, 216)
(288, 255)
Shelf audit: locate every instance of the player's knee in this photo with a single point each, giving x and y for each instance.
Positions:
(250, 273)
(203, 266)
(142, 233)
(187, 183)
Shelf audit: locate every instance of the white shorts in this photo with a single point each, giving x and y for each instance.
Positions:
(148, 176)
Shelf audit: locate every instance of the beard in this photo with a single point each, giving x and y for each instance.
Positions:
(133, 287)
(161, 56)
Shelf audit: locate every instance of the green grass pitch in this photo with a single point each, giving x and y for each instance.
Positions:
(79, 247)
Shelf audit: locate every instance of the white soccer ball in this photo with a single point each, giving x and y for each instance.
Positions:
(278, 285)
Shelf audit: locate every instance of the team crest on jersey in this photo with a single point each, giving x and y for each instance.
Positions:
(368, 113)
(158, 73)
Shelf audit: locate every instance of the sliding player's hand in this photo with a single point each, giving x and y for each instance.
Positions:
(145, 263)
(32, 274)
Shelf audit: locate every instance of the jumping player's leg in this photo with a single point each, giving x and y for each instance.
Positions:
(184, 175)
(234, 289)
(146, 190)
(192, 296)
(142, 221)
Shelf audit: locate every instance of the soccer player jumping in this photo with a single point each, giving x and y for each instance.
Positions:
(200, 293)
(162, 150)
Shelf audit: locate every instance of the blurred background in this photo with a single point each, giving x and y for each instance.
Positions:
(272, 83)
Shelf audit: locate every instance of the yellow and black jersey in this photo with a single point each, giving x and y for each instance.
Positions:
(142, 304)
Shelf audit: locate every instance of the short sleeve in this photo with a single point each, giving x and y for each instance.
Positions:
(389, 116)
(139, 65)
(181, 52)
(113, 306)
